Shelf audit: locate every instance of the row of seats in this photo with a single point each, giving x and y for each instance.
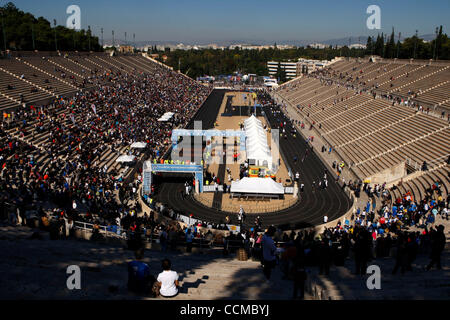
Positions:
(418, 186)
(38, 131)
(35, 78)
(371, 134)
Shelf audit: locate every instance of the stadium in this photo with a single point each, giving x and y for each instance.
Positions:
(113, 158)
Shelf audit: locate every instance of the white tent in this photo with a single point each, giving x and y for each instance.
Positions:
(256, 142)
(138, 145)
(166, 117)
(257, 185)
(125, 158)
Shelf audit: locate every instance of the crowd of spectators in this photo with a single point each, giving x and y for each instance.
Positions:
(355, 85)
(62, 164)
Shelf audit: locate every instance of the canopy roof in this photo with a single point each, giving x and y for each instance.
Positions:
(257, 185)
(125, 158)
(138, 145)
(256, 142)
(166, 116)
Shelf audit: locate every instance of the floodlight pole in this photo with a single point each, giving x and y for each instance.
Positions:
(435, 45)
(56, 41)
(89, 38)
(415, 44)
(4, 32)
(32, 35)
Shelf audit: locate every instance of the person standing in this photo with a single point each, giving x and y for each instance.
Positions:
(269, 250)
(241, 216)
(189, 239)
(437, 246)
(298, 272)
(163, 239)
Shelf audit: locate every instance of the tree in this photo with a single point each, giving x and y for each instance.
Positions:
(379, 45)
(390, 46)
(281, 74)
(369, 45)
(21, 28)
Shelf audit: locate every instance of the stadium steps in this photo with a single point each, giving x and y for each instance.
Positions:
(51, 75)
(423, 77)
(104, 66)
(419, 284)
(122, 67)
(21, 86)
(380, 128)
(78, 64)
(390, 68)
(7, 102)
(36, 269)
(66, 68)
(434, 87)
(403, 145)
(29, 82)
(93, 63)
(356, 119)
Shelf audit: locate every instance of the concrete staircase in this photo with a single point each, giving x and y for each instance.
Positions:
(342, 284)
(27, 81)
(47, 73)
(402, 145)
(36, 269)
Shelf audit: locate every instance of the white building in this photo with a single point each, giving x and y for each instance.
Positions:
(289, 67)
(318, 46)
(358, 46)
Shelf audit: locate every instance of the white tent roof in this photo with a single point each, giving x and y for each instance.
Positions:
(257, 185)
(138, 145)
(252, 119)
(125, 158)
(166, 116)
(256, 143)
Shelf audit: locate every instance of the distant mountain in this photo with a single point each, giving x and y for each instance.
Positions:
(226, 43)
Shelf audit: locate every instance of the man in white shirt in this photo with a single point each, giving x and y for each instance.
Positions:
(325, 219)
(168, 280)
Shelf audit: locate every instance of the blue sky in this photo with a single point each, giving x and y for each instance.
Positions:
(224, 20)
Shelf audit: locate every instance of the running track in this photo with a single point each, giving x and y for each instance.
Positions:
(307, 212)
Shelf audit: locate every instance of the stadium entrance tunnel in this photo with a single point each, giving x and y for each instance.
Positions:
(164, 182)
(150, 169)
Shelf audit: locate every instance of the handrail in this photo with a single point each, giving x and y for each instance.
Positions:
(85, 226)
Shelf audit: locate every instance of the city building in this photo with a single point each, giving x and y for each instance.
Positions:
(290, 68)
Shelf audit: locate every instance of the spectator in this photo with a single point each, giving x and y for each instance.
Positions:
(437, 246)
(168, 280)
(268, 250)
(189, 239)
(298, 272)
(140, 280)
